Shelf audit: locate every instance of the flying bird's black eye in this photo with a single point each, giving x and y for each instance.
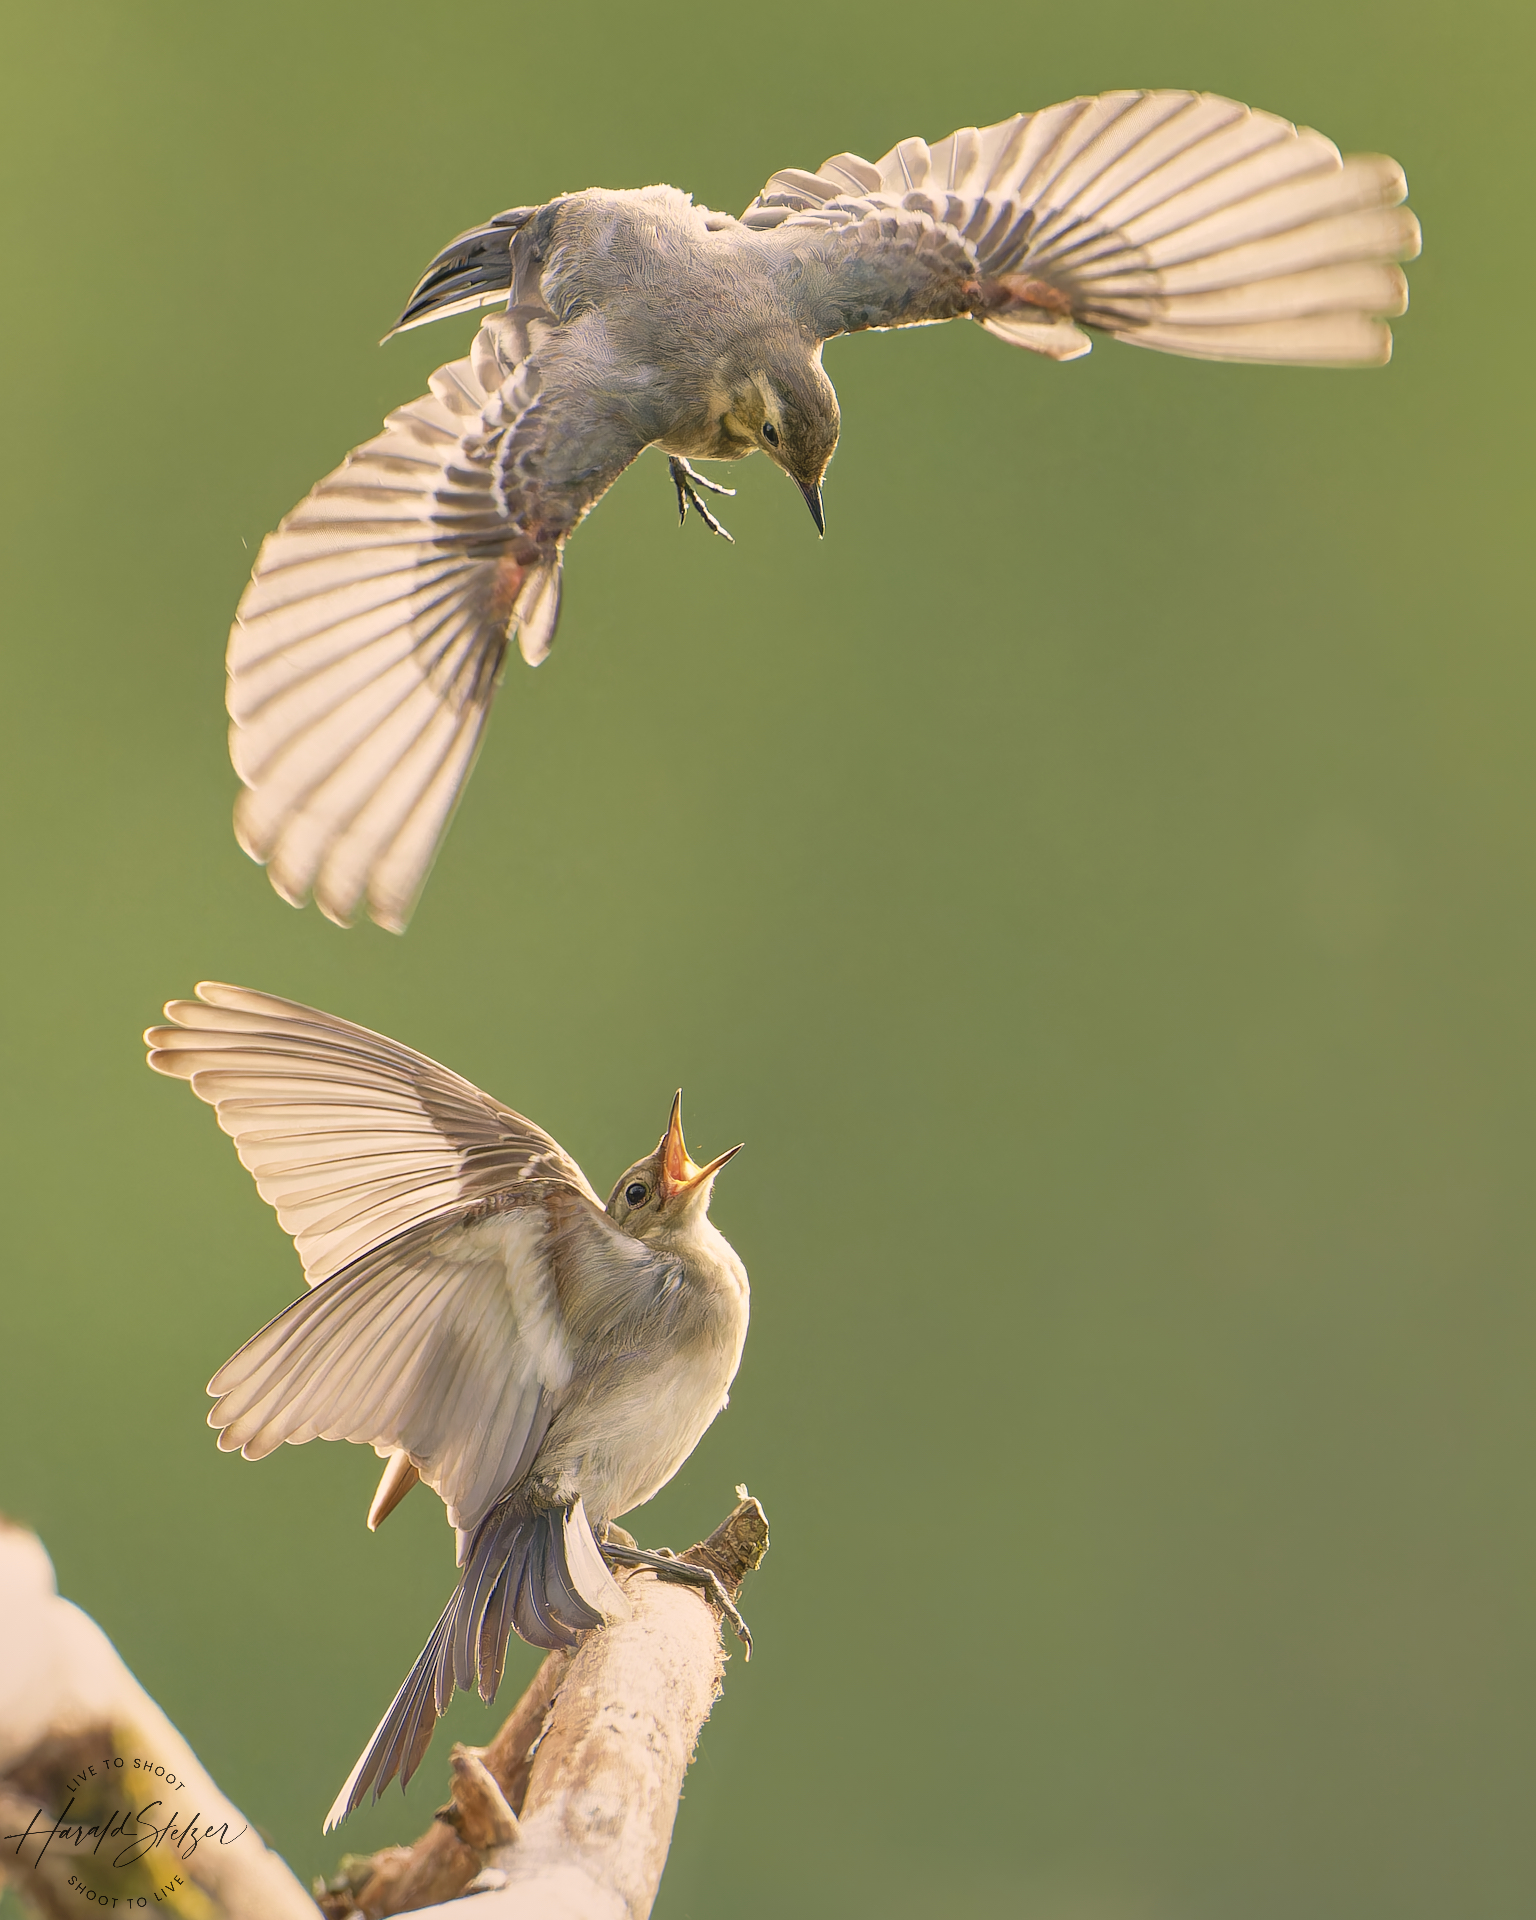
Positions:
(770, 433)
(634, 1193)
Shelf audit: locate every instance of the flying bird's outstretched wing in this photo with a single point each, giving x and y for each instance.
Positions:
(369, 645)
(1173, 220)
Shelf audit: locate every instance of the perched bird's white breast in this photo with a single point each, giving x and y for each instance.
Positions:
(628, 1425)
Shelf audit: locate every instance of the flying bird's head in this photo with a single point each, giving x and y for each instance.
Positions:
(665, 1197)
(779, 400)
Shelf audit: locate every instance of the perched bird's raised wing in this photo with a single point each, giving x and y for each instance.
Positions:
(1173, 220)
(439, 1232)
(351, 1137)
(368, 647)
(448, 1346)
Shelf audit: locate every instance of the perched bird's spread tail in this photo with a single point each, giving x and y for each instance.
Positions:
(540, 1573)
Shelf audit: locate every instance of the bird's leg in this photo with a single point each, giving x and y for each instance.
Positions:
(668, 1566)
(687, 483)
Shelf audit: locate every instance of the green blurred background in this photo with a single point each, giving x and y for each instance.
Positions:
(1097, 882)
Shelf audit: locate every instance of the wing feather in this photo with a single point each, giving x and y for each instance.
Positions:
(389, 842)
(369, 645)
(351, 1137)
(1181, 221)
(442, 1345)
(408, 850)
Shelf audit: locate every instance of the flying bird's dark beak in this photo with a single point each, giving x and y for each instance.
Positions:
(813, 501)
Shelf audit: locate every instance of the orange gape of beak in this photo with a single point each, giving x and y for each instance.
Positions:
(678, 1172)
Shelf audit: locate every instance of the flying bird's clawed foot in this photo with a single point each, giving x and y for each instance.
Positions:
(669, 1566)
(687, 483)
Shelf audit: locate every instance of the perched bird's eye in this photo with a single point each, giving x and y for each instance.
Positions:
(770, 433)
(634, 1193)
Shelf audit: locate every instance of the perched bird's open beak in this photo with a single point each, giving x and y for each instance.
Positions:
(813, 501)
(678, 1173)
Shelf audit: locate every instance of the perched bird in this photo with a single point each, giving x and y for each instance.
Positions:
(371, 640)
(476, 1315)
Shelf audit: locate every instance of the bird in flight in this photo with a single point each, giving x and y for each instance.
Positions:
(368, 647)
(477, 1315)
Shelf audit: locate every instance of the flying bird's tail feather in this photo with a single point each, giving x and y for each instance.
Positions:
(471, 271)
(539, 1573)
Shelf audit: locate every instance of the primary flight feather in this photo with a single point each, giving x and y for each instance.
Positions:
(368, 647)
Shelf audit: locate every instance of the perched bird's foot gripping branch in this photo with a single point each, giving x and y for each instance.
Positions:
(671, 1566)
(686, 481)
